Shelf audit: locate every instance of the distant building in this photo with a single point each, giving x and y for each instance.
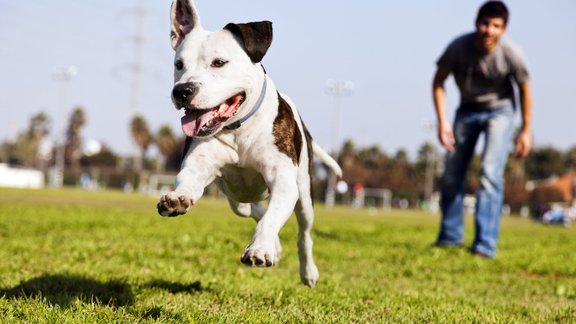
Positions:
(20, 177)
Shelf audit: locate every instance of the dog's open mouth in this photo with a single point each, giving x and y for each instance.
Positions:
(204, 122)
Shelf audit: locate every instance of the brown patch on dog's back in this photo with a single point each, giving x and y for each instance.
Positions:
(287, 135)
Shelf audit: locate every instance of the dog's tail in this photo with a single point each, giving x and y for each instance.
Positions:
(327, 159)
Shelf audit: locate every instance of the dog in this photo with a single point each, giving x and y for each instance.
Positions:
(242, 134)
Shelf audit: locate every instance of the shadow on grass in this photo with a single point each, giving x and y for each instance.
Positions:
(63, 289)
(327, 235)
(176, 287)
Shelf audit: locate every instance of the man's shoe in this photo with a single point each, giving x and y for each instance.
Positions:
(481, 254)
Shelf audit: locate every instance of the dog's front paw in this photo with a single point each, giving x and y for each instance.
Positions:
(309, 275)
(262, 254)
(173, 205)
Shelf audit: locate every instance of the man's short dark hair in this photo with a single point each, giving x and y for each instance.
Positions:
(493, 9)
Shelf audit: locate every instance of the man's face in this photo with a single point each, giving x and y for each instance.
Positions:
(488, 32)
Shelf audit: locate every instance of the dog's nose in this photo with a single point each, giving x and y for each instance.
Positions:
(182, 93)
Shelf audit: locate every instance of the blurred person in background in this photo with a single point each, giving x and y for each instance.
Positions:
(485, 66)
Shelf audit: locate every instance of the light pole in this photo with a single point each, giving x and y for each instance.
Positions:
(63, 75)
(429, 174)
(336, 89)
(429, 178)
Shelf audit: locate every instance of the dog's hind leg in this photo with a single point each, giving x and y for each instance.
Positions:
(256, 211)
(305, 215)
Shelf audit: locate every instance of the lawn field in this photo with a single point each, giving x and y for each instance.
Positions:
(71, 256)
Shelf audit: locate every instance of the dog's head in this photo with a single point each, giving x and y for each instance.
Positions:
(217, 75)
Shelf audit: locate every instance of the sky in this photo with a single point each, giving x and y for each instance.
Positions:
(386, 49)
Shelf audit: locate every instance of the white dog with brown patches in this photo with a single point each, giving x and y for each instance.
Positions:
(242, 134)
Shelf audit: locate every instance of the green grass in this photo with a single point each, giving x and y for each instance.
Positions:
(69, 256)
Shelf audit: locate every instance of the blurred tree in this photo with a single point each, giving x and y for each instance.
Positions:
(103, 159)
(544, 162)
(515, 193)
(515, 169)
(570, 159)
(372, 156)
(174, 160)
(398, 173)
(39, 126)
(6, 150)
(347, 158)
(73, 150)
(167, 144)
(401, 156)
(142, 137)
(348, 147)
(25, 149)
(425, 169)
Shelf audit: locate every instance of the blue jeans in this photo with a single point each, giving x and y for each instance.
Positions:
(497, 127)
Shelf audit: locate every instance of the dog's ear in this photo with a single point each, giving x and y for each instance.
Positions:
(255, 36)
(184, 19)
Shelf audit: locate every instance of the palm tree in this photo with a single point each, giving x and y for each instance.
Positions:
(142, 137)
(27, 143)
(166, 143)
(73, 150)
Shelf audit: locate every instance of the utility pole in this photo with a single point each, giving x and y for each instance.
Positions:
(63, 75)
(136, 69)
(430, 165)
(336, 89)
(138, 39)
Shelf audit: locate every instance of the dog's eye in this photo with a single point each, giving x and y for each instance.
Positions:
(218, 63)
(179, 65)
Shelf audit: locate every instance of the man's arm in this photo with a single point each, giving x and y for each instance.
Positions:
(524, 139)
(445, 133)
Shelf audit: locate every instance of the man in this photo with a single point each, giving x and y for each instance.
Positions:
(484, 66)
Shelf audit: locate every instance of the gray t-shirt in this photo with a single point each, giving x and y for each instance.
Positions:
(484, 80)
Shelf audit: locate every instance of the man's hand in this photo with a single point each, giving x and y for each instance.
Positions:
(523, 144)
(446, 136)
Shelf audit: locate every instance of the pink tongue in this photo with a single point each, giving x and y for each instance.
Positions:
(194, 120)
